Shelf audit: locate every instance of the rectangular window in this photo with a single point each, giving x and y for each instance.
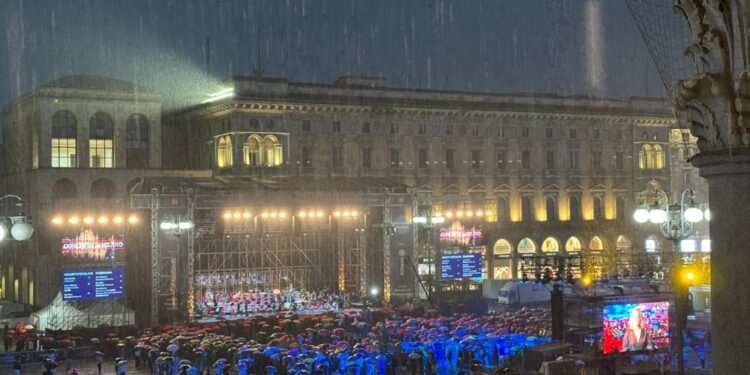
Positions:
(422, 129)
(449, 158)
(101, 153)
(337, 157)
(366, 128)
(573, 133)
(574, 160)
(336, 127)
(395, 158)
(422, 158)
(475, 159)
(620, 160)
(475, 131)
(394, 128)
(306, 126)
(306, 156)
(64, 153)
(596, 160)
(550, 133)
(501, 159)
(525, 159)
(525, 132)
(550, 161)
(367, 157)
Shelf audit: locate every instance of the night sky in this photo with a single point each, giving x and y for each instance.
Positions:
(483, 45)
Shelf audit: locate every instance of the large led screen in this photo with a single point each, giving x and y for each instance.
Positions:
(91, 284)
(459, 266)
(635, 326)
(91, 247)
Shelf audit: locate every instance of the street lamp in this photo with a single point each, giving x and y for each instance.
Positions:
(21, 229)
(676, 223)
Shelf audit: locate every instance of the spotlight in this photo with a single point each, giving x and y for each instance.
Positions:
(346, 213)
(459, 213)
(374, 291)
(586, 280)
(58, 220)
(282, 214)
(302, 214)
(449, 214)
(117, 220)
(103, 220)
(237, 215)
(132, 219)
(337, 214)
(469, 214)
(74, 220)
(227, 215)
(354, 213)
(246, 215)
(319, 214)
(480, 213)
(273, 215)
(88, 220)
(264, 215)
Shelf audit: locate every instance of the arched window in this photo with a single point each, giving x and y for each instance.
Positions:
(64, 134)
(575, 208)
(224, 152)
(620, 208)
(596, 244)
(251, 151)
(137, 129)
(526, 246)
(64, 189)
(657, 157)
(644, 157)
(598, 208)
(573, 245)
(623, 244)
(272, 155)
(502, 210)
(502, 247)
(102, 189)
(550, 245)
(527, 211)
(652, 244)
(101, 141)
(551, 209)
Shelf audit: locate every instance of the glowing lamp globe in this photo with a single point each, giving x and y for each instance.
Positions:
(3, 232)
(707, 215)
(693, 214)
(641, 214)
(21, 231)
(657, 216)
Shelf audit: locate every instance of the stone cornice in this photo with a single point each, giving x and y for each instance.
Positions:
(281, 107)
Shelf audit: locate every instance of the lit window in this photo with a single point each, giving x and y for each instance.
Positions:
(224, 152)
(706, 246)
(64, 132)
(651, 246)
(658, 157)
(101, 144)
(687, 246)
(251, 151)
(272, 153)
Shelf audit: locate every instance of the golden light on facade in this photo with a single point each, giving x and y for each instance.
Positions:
(246, 215)
(337, 214)
(302, 214)
(237, 215)
(319, 214)
(133, 219)
(227, 215)
(103, 220)
(117, 220)
(88, 220)
(273, 215)
(57, 220)
(264, 215)
(282, 214)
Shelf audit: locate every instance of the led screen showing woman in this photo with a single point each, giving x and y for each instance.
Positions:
(635, 327)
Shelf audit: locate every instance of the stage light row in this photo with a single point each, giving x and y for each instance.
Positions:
(303, 214)
(467, 213)
(92, 219)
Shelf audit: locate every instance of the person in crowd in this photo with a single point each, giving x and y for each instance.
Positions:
(99, 359)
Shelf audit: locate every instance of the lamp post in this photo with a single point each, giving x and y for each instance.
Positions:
(676, 223)
(21, 229)
(427, 222)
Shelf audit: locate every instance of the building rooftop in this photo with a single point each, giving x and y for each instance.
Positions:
(94, 82)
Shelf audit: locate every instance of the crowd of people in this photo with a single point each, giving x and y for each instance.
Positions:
(363, 342)
(238, 304)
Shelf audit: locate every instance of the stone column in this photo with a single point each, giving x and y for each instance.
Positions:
(715, 103)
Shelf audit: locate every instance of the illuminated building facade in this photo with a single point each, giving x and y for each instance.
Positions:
(541, 175)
